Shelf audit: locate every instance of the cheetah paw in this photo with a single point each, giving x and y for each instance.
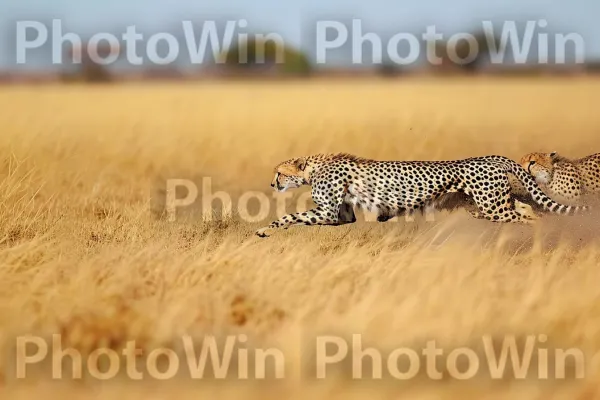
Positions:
(264, 232)
(525, 210)
(383, 218)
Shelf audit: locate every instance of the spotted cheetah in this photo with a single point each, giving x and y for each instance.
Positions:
(390, 188)
(565, 179)
(452, 201)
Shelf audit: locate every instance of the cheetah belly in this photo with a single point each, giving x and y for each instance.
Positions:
(359, 196)
(370, 197)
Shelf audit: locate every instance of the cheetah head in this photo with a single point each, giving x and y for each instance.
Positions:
(290, 174)
(540, 165)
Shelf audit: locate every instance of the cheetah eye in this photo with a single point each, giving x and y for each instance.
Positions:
(531, 163)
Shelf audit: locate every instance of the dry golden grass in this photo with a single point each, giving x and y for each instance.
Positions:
(85, 249)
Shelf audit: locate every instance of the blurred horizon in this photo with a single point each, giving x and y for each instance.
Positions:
(295, 22)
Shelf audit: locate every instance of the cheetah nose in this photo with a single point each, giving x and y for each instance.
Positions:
(272, 185)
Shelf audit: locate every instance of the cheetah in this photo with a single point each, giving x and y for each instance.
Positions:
(452, 201)
(390, 188)
(564, 179)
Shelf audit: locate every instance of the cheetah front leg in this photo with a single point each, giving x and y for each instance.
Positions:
(346, 214)
(475, 213)
(316, 216)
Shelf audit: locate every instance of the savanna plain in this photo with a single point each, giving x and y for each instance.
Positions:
(89, 251)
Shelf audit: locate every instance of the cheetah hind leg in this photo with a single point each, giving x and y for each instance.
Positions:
(518, 213)
(521, 216)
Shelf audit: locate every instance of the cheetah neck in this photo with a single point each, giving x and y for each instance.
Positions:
(312, 165)
(315, 162)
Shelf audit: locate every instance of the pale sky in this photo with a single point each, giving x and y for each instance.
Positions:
(294, 20)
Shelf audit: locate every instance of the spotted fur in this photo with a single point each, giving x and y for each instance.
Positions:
(391, 188)
(459, 200)
(562, 177)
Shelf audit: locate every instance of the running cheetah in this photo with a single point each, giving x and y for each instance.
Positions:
(564, 178)
(390, 188)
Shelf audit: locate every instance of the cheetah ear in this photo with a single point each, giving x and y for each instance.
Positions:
(300, 164)
(553, 155)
